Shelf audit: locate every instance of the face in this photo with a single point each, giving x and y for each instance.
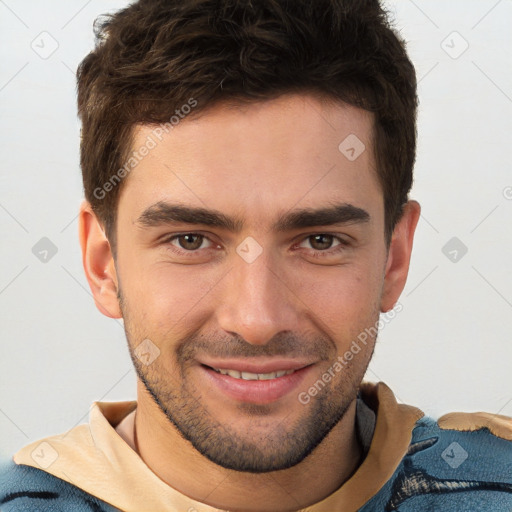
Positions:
(251, 254)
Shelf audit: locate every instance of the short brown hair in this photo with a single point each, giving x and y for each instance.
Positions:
(155, 56)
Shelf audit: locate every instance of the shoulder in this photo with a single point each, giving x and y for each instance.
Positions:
(474, 445)
(27, 488)
(488, 435)
(498, 425)
(483, 432)
(461, 461)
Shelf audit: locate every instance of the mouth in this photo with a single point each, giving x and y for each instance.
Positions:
(254, 382)
(253, 376)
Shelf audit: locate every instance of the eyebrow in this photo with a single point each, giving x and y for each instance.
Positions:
(163, 213)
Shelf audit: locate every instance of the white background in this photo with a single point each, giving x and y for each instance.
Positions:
(449, 349)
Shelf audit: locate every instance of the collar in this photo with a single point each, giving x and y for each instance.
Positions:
(96, 459)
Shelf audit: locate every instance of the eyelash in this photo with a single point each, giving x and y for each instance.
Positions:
(343, 244)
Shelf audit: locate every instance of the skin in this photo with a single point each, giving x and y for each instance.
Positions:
(299, 299)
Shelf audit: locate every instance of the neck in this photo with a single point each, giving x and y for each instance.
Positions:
(175, 461)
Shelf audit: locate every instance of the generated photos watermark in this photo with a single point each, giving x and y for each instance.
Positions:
(342, 361)
(149, 144)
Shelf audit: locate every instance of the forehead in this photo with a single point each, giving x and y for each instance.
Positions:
(277, 153)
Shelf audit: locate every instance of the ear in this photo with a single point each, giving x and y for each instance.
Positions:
(399, 256)
(98, 262)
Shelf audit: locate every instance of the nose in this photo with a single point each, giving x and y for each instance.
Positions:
(257, 301)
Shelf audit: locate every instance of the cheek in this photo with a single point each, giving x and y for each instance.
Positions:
(170, 297)
(344, 303)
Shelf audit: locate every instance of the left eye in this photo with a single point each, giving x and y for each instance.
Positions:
(189, 241)
(322, 242)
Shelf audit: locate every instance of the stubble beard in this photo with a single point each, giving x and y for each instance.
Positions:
(281, 445)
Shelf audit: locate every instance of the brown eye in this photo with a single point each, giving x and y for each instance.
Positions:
(321, 242)
(190, 242)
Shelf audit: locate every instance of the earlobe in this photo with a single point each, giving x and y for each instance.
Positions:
(399, 256)
(98, 262)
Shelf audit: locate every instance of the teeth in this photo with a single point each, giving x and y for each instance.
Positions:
(249, 376)
(253, 376)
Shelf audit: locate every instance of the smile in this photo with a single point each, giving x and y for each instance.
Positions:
(255, 382)
(253, 376)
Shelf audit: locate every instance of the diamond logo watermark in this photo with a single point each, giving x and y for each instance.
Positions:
(454, 45)
(454, 250)
(249, 250)
(454, 455)
(352, 147)
(45, 45)
(147, 352)
(44, 455)
(44, 250)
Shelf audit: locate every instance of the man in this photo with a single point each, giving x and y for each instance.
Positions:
(246, 168)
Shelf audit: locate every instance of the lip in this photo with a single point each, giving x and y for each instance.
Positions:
(255, 391)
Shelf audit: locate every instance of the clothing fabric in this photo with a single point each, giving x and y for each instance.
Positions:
(411, 462)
